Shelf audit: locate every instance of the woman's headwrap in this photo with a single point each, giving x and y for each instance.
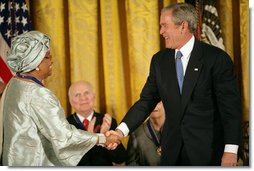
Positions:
(27, 51)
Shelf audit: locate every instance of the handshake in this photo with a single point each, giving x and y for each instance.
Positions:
(113, 138)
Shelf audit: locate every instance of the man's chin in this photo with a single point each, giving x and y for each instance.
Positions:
(167, 45)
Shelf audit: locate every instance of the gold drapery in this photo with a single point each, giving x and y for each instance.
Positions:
(110, 43)
(234, 17)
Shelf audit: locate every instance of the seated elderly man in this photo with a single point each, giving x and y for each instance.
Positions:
(82, 99)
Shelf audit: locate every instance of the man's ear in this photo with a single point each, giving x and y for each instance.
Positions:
(184, 26)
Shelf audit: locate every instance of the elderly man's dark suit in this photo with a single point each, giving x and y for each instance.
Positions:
(100, 156)
(205, 117)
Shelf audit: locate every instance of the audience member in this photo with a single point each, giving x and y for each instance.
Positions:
(82, 99)
(144, 145)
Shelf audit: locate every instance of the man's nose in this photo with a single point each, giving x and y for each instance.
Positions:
(84, 96)
(161, 31)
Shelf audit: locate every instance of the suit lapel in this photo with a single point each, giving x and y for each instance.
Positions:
(167, 80)
(77, 122)
(192, 73)
(98, 119)
(168, 72)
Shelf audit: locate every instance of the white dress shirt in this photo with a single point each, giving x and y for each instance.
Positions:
(89, 118)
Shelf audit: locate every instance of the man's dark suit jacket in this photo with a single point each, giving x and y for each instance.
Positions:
(100, 156)
(205, 117)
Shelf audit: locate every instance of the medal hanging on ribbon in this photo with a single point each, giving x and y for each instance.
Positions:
(159, 150)
(155, 138)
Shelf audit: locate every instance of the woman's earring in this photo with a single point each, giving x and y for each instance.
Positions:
(37, 69)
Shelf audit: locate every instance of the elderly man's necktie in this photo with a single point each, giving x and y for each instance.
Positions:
(86, 123)
(179, 70)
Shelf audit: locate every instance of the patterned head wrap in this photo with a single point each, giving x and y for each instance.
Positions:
(27, 51)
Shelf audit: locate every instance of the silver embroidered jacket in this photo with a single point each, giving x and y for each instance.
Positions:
(36, 132)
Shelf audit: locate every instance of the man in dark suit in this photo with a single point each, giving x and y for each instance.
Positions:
(82, 99)
(203, 113)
